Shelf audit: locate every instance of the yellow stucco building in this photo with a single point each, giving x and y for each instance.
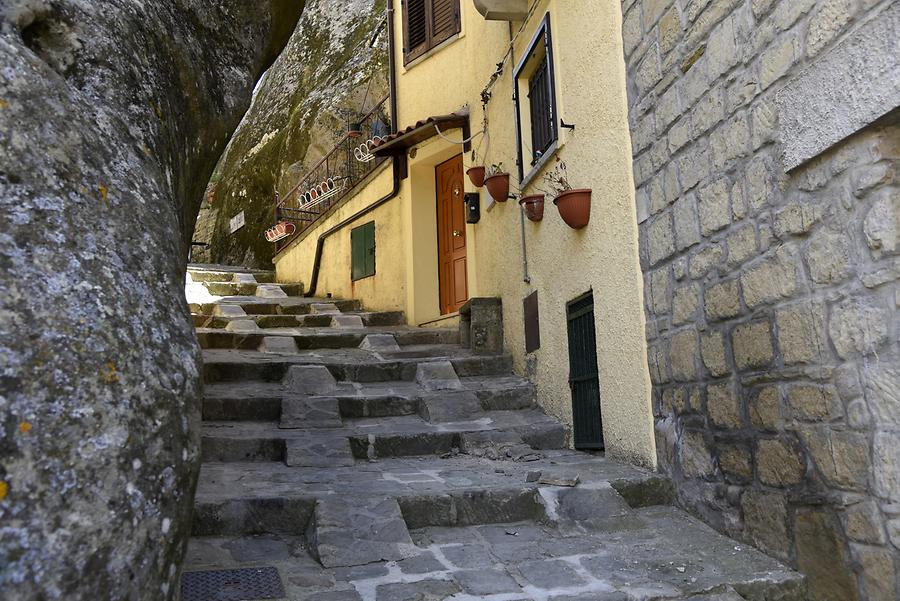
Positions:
(529, 85)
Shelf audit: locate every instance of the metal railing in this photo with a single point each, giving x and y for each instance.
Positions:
(334, 175)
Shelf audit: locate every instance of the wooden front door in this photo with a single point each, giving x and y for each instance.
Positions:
(451, 223)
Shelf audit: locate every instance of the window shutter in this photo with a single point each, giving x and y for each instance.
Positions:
(362, 251)
(357, 258)
(415, 28)
(370, 249)
(444, 20)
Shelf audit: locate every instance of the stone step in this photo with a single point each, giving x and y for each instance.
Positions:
(291, 305)
(461, 490)
(223, 314)
(510, 433)
(320, 337)
(351, 531)
(261, 401)
(223, 273)
(252, 288)
(354, 365)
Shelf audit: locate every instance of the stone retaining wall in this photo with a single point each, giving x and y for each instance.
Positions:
(766, 176)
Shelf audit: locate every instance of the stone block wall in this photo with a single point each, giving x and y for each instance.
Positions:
(769, 246)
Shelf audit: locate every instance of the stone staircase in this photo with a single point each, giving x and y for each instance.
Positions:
(347, 456)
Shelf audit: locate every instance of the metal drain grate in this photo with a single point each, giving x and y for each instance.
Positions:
(246, 584)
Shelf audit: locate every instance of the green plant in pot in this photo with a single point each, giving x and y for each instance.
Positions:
(497, 182)
(574, 204)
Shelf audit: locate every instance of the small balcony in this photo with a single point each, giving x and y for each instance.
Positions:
(502, 10)
(333, 176)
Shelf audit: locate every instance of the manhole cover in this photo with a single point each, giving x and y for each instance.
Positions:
(232, 585)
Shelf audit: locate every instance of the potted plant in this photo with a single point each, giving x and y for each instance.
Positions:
(497, 182)
(476, 175)
(354, 130)
(574, 204)
(533, 205)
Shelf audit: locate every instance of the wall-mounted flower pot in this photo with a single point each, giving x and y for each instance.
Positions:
(533, 206)
(574, 207)
(498, 186)
(354, 130)
(476, 176)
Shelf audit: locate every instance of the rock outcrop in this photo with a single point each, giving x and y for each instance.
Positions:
(333, 68)
(113, 114)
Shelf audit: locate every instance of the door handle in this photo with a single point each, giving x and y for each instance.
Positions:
(457, 234)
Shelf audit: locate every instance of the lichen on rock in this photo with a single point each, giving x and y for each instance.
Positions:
(333, 68)
(113, 115)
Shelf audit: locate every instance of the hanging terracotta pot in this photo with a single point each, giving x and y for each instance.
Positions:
(354, 130)
(498, 186)
(574, 207)
(476, 175)
(533, 206)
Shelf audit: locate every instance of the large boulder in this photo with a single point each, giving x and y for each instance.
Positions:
(333, 69)
(113, 114)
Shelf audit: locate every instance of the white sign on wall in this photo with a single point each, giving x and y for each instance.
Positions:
(237, 222)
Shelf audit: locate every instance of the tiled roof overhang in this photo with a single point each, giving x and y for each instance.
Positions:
(398, 143)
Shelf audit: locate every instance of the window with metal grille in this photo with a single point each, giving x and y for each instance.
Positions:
(362, 251)
(427, 23)
(535, 96)
(543, 132)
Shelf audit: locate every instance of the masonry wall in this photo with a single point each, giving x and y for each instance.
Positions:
(769, 248)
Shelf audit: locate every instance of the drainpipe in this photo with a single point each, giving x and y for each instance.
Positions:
(525, 277)
(395, 166)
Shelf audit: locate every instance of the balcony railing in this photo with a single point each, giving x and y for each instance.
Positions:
(332, 177)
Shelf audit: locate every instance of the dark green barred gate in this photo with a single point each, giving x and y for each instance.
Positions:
(583, 376)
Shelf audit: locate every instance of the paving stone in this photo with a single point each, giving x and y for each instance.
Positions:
(450, 407)
(347, 321)
(350, 531)
(486, 582)
(421, 564)
(319, 451)
(229, 311)
(261, 549)
(242, 326)
(278, 344)
(587, 507)
(310, 412)
(379, 343)
(551, 574)
(323, 308)
(423, 590)
(270, 291)
(309, 379)
(468, 556)
(437, 375)
(243, 278)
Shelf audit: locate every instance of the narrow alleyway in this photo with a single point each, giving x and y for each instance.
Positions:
(349, 457)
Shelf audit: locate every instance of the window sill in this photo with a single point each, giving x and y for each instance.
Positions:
(420, 59)
(539, 166)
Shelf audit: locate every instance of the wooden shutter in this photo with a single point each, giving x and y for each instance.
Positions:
(444, 20)
(415, 28)
(427, 23)
(362, 251)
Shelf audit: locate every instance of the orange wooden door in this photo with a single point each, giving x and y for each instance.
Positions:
(451, 222)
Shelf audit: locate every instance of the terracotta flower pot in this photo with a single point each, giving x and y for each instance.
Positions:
(355, 130)
(533, 206)
(476, 176)
(574, 207)
(498, 186)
